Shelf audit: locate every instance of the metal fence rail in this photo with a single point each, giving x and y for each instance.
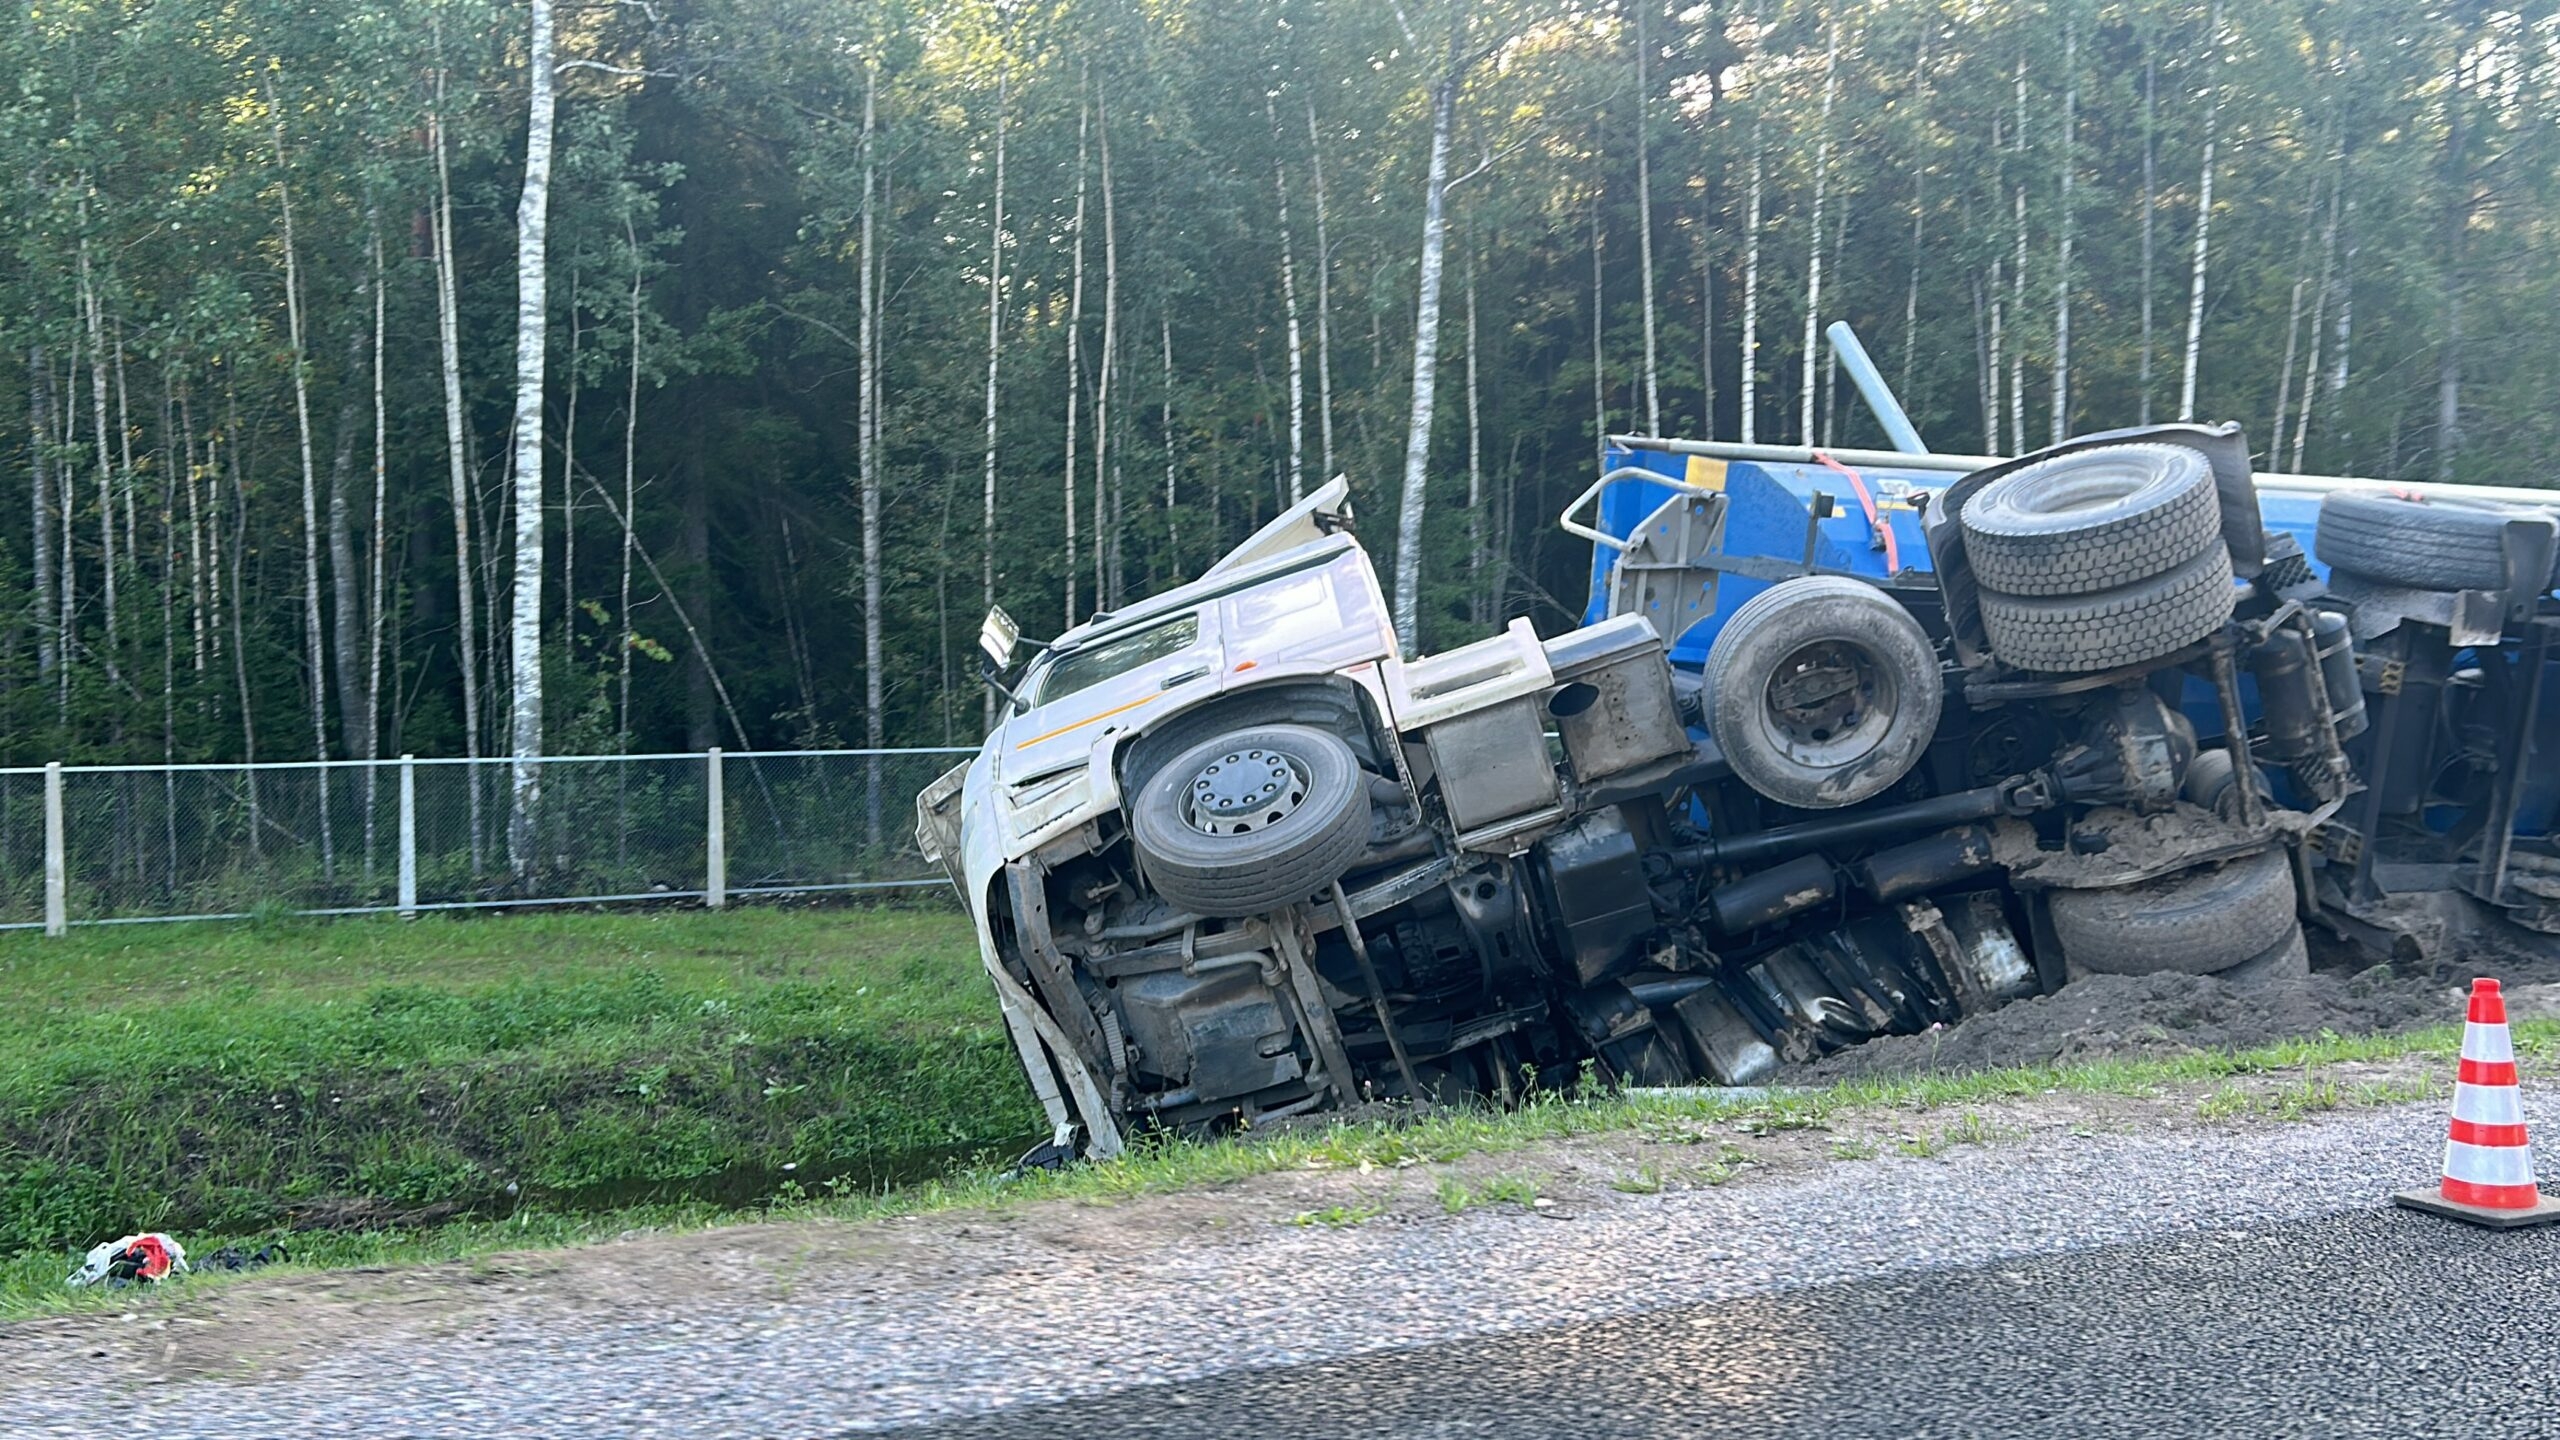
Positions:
(115, 844)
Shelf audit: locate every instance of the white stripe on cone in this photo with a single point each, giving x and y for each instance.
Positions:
(2488, 1164)
(2486, 1042)
(2487, 1104)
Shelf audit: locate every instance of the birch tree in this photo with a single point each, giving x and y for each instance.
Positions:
(1107, 580)
(1324, 295)
(995, 356)
(2062, 222)
(1644, 232)
(449, 371)
(1751, 294)
(533, 276)
(1813, 262)
(867, 451)
(1075, 367)
(2204, 216)
(317, 674)
(1289, 305)
(1426, 354)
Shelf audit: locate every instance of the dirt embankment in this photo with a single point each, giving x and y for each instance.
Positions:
(2113, 1015)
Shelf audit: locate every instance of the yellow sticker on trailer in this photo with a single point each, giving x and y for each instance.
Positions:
(1705, 473)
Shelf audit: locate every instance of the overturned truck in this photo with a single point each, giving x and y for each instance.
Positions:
(1809, 773)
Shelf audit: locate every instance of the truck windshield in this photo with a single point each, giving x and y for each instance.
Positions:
(1083, 669)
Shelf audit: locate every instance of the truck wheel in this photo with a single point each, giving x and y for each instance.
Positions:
(1822, 692)
(2195, 922)
(2290, 959)
(1251, 821)
(2425, 545)
(2072, 634)
(2091, 521)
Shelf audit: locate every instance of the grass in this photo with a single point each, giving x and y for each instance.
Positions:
(1458, 1196)
(224, 1080)
(758, 1034)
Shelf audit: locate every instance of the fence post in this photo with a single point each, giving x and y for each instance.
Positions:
(408, 837)
(57, 873)
(715, 847)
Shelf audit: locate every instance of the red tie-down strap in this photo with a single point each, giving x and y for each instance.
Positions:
(1875, 522)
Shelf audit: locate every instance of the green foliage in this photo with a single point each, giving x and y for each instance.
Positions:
(2381, 241)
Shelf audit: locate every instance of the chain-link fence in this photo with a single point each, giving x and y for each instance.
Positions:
(109, 844)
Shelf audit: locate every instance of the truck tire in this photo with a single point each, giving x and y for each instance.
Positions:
(1822, 691)
(2289, 959)
(1251, 821)
(2073, 634)
(2088, 522)
(2424, 545)
(2196, 922)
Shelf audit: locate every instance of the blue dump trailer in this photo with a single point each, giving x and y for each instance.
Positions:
(1849, 743)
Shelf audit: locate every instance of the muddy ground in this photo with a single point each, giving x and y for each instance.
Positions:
(2099, 1016)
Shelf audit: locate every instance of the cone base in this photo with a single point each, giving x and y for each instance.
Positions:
(2431, 1200)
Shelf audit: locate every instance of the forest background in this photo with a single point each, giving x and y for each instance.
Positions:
(509, 378)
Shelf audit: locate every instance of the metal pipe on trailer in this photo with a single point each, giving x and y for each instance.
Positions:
(2288, 484)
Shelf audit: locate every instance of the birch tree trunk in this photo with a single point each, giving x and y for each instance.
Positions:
(2018, 342)
(630, 500)
(1751, 295)
(1426, 357)
(2453, 233)
(346, 620)
(533, 282)
(1644, 238)
(106, 465)
(1919, 209)
(1475, 461)
(199, 603)
(1172, 526)
(2150, 207)
(317, 671)
(449, 356)
(1599, 337)
(2062, 263)
(1707, 324)
(374, 620)
(2204, 218)
(2319, 313)
(40, 510)
(1107, 584)
(1289, 304)
(2345, 329)
(1813, 262)
(2018, 280)
(867, 450)
(1324, 297)
(1075, 365)
(995, 355)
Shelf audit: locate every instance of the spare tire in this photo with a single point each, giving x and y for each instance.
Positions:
(2073, 634)
(2195, 922)
(1822, 691)
(1252, 821)
(2092, 520)
(2422, 544)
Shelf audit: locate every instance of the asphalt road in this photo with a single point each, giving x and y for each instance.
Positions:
(2376, 1322)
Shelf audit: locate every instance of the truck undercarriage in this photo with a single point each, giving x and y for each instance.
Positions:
(1809, 774)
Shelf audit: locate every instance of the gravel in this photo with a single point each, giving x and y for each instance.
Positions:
(1099, 1318)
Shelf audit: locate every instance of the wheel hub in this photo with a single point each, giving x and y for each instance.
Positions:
(1245, 790)
(1825, 700)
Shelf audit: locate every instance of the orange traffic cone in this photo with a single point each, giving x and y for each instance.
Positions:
(2488, 1163)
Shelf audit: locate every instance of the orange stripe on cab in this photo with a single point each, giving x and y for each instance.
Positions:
(1089, 719)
